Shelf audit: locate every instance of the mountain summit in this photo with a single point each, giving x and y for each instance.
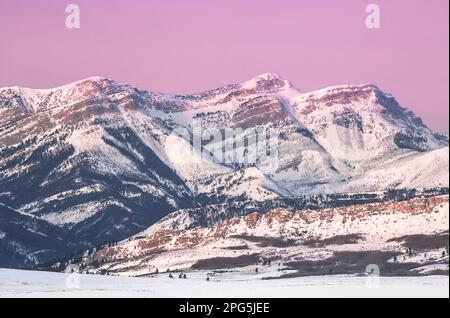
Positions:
(266, 82)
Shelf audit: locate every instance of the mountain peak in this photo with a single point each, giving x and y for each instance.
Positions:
(267, 76)
(266, 82)
(34, 98)
(93, 80)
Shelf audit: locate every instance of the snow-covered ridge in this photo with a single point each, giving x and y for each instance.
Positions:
(335, 89)
(281, 233)
(96, 85)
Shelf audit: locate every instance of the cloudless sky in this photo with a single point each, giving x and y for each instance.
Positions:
(187, 46)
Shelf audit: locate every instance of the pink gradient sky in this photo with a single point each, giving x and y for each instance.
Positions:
(186, 46)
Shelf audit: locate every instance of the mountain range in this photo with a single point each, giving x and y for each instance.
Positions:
(96, 161)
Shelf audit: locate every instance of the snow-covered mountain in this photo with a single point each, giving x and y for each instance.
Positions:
(101, 161)
(380, 232)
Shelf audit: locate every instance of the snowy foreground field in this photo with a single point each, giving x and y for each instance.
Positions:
(18, 283)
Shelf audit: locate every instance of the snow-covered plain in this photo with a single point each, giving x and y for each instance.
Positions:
(18, 283)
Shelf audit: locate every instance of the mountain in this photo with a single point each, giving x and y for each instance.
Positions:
(96, 161)
(75, 157)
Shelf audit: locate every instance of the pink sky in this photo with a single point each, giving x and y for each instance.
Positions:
(186, 46)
